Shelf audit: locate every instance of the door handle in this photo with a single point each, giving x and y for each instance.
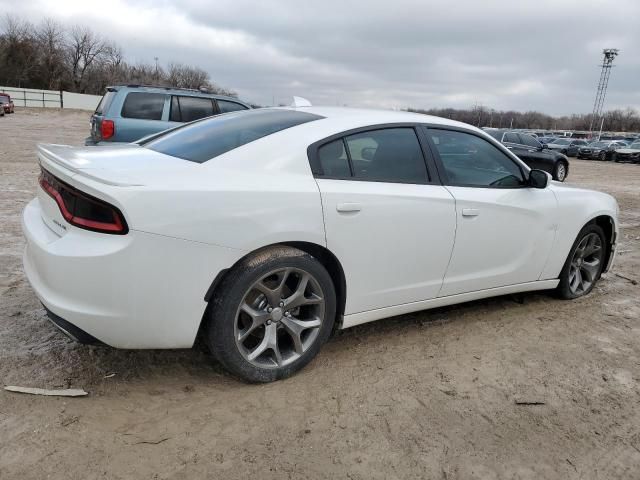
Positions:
(470, 212)
(348, 207)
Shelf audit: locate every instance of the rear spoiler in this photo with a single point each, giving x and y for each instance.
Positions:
(67, 163)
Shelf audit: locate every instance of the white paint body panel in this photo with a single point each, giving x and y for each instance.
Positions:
(506, 241)
(402, 247)
(394, 250)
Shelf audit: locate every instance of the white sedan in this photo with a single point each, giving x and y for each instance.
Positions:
(264, 230)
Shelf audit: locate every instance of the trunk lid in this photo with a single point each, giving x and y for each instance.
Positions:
(118, 165)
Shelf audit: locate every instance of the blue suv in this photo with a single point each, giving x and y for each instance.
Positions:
(127, 113)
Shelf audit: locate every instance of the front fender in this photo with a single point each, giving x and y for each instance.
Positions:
(576, 208)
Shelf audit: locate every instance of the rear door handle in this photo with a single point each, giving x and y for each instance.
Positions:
(348, 207)
(470, 212)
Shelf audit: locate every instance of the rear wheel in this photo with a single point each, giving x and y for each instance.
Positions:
(584, 264)
(560, 171)
(271, 315)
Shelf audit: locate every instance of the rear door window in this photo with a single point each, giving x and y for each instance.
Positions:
(334, 160)
(226, 106)
(143, 105)
(529, 141)
(192, 108)
(390, 155)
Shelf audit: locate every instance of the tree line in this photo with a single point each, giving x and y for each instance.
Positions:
(49, 56)
(627, 120)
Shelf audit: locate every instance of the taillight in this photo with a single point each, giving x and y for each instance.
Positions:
(82, 210)
(107, 129)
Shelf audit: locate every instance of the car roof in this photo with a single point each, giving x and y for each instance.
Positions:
(369, 116)
(182, 91)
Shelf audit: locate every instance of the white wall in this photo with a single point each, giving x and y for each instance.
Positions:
(80, 101)
(29, 97)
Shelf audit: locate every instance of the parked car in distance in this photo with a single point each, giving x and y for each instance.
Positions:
(263, 230)
(599, 150)
(129, 112)
(546, 140)
(629, 153)
(1, 109)
(567, 146)
(533, 153)
(7, 103)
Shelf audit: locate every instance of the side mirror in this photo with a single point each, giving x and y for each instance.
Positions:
(544, 145)
(538, 179)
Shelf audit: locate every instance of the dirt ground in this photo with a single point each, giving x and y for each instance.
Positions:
(428, 395)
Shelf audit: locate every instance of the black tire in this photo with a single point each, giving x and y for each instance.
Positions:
(560, 167)
(602, 156)
(564, 289)
(224, 312)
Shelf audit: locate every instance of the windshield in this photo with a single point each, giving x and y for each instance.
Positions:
(635, 145)
(205, 139)
(561, 141)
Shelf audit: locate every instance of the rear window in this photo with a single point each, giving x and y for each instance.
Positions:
(208, 138)
(143, 105)
(4, 98)
(105, 102)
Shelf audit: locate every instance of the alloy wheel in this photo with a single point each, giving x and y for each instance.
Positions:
(279, 318)
(561, 172)
(585, 264)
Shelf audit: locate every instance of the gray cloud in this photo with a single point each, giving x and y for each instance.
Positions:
(536, 55)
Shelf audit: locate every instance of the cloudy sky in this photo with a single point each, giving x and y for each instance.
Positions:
(504, 54)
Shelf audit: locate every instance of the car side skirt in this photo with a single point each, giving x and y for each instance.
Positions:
(372, 315)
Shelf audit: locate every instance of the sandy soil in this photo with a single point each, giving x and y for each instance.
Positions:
(429, 395)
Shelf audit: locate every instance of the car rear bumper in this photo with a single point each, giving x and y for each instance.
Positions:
(138, 290)
(70, 330)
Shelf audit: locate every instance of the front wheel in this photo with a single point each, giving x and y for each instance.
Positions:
(602, 156)
(271, 314)
(584, 264)
(560, 171)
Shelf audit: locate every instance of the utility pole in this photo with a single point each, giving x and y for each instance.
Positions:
(607, 63)
(156, 59)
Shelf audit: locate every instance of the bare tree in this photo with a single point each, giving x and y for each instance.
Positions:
(50, 42)
(83, 50)
(18, 53)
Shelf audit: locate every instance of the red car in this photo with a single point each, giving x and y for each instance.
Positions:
(5, 99)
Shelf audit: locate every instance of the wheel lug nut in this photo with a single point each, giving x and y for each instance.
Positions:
(268, 322)
(282, 304)
(269, 309)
